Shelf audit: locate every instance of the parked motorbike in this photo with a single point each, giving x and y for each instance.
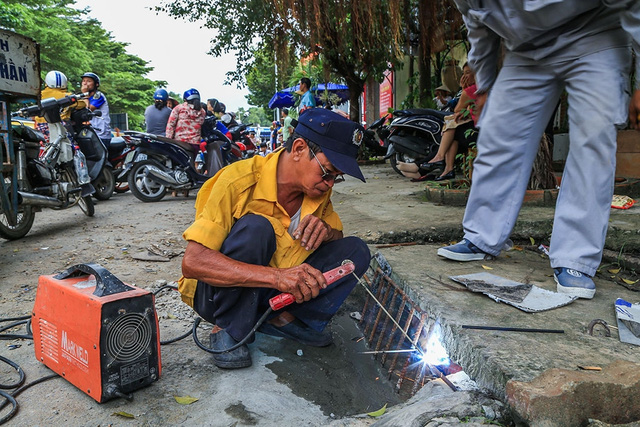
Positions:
(119, 149)
(58, 179)
(231, 151)
(94, 150)
(240, 136)
(160, 164)
(413, 136)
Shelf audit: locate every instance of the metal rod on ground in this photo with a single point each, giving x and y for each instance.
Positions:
(444, 378)
(500, 328)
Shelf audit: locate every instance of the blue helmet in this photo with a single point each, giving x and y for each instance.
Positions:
(191, 94)
(161, 95)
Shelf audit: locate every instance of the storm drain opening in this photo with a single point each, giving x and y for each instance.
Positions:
(405, 340)
(382, 354)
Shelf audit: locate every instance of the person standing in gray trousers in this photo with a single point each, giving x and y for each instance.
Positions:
(583, 47)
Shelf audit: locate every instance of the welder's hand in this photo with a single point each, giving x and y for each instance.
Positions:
(312, 232)
(303, 282)
(634, 110)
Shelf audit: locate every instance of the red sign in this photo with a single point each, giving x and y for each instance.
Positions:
(386, 93)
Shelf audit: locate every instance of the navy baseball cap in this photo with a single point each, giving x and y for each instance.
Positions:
(339, 138)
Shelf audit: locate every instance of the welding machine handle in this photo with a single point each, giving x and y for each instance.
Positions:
(106, 282)
(284, 299)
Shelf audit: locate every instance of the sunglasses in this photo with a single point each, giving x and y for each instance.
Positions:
(326, 175)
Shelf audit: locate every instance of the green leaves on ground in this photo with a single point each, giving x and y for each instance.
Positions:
(185, 400)
(379, 412)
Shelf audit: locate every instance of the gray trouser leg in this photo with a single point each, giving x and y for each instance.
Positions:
(597, 85)
(520, 105)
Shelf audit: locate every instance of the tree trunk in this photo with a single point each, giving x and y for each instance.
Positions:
(424, 68)
(356, 87)
(542, 176)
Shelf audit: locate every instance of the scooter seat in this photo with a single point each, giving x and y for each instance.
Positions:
(189, 148)
(116, 145)
(422, 112)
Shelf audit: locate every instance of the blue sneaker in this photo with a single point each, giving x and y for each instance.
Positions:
(574, 283)
(464, 251)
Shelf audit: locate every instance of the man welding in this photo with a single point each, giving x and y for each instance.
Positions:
(266, 225)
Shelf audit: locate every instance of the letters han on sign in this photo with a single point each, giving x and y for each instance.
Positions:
(19, 65)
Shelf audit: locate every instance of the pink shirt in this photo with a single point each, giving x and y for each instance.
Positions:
(471, 92)
(185, 123)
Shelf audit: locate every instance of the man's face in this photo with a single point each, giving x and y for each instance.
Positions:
(87, 85)
(303, 87)
(318, 167)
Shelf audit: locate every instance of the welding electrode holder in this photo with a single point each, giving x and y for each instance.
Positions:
(276, 303)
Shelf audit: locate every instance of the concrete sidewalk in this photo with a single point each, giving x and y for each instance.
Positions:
(495, 359)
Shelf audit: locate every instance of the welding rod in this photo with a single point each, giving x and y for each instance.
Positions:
(418, 349)
(500, 328)
(389, 351)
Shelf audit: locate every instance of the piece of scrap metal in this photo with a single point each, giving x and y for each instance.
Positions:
(526, 297)
(628, 317)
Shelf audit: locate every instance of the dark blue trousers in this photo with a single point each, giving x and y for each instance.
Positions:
(252, 240)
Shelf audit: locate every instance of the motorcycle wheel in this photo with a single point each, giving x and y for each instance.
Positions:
(25, 217)
(85, 203)
(105, 184)
(143, 187)
(122, 186)
(394, 163)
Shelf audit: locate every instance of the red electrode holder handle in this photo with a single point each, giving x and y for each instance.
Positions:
(284, 299)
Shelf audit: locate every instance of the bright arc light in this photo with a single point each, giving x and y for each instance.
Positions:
(434, 352)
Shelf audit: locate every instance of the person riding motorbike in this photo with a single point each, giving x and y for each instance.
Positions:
(157, 115)
(97, 101)
(55, 87)
(185, 121)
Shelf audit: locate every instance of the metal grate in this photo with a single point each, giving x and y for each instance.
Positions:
(391, 345)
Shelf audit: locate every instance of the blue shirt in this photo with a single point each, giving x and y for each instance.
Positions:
(307, 100)
(537, 29)
(101, 124)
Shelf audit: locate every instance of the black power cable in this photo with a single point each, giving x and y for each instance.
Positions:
(196, 323)
(10, 397)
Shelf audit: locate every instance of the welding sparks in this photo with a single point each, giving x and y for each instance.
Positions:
(434, 352)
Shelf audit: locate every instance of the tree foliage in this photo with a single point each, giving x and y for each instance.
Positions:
(355, 40)
(73, 43)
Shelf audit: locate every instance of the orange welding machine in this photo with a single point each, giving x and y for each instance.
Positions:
(97, 332)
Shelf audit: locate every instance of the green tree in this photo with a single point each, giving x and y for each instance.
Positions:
(254, 115)
(356, 39)
(74, 44)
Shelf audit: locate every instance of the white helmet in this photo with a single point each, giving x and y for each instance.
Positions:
(56, 80)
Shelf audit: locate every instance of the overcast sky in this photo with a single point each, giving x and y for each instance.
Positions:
(176, 49)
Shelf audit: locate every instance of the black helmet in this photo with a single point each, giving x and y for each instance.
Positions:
(215, 105)
(93, 76)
